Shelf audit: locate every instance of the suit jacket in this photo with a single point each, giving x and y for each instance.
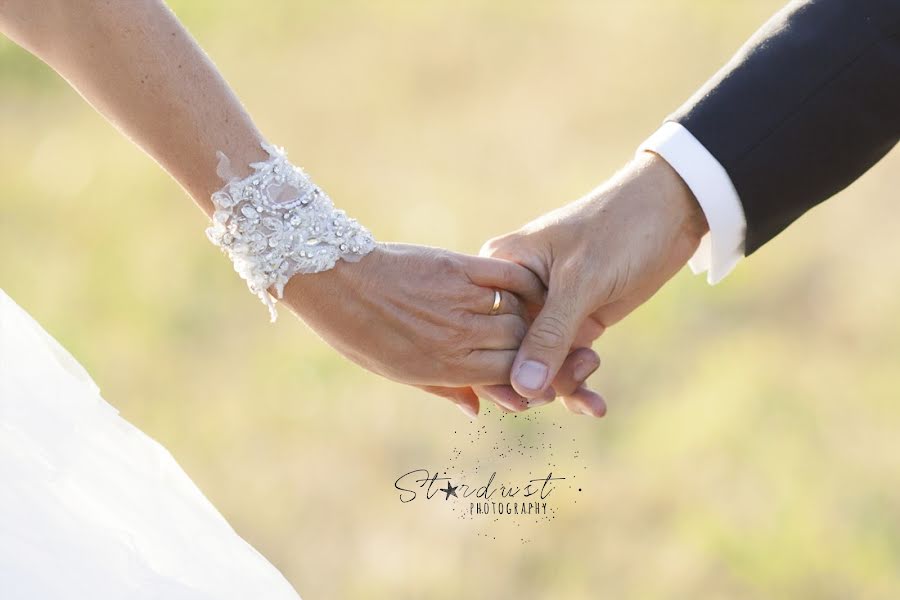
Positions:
(809, 104)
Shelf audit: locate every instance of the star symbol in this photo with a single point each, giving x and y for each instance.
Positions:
(450, 490)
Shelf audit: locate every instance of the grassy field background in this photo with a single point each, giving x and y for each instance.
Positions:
(752, 447)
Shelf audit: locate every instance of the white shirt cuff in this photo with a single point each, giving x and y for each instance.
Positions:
(723, 247)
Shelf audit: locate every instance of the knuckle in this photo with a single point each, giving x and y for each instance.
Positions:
(519, 329)
(446, 264)
(549, 333)
(570, 271)
(512, 304)
(496, 244)
(457, 359)
(490, 247)
(457, 297)
(455, 341)
(458, 338)
(453, 364)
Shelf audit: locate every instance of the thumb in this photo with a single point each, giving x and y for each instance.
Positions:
(547, 343)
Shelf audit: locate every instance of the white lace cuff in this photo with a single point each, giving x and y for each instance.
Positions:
(277, 223)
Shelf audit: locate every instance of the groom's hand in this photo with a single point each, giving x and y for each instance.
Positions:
(599, 257)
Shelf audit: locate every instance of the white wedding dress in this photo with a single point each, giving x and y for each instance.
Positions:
(93, 509)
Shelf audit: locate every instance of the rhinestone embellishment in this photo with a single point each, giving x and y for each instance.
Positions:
(276, 223)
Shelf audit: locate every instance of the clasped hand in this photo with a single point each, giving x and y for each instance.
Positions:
(423, 316)
(427, 317)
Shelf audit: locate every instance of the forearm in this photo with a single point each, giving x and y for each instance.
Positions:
(809, 104)
(135, 63)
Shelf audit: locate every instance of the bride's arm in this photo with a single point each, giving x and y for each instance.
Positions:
(413, 314)
(134, 62)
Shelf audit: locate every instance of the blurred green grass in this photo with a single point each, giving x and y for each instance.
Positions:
(751, 448)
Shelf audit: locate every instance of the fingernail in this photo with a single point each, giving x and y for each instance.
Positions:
(468, 411)
(531, 375)
(597, 407)
(585, 369)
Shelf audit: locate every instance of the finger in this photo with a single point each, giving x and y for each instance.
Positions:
(464, 398)
(585, 402)
(504, 396)
(548, 340)
(505, 275)
(509, 303)
(500, 332)
(487, 367)
(576, 368)
(591, 328)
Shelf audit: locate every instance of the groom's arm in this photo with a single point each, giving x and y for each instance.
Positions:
(809, 104)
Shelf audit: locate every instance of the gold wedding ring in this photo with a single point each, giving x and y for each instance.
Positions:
(498, 299)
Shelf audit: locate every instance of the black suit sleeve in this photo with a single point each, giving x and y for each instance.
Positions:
(809, 104)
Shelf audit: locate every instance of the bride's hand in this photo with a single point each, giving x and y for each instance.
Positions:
(420, 315)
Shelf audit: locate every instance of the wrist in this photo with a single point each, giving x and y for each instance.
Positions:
(676, 198)
(276, 223)
(309, 294)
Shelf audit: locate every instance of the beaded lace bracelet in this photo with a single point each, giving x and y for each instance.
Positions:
(277, 223)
